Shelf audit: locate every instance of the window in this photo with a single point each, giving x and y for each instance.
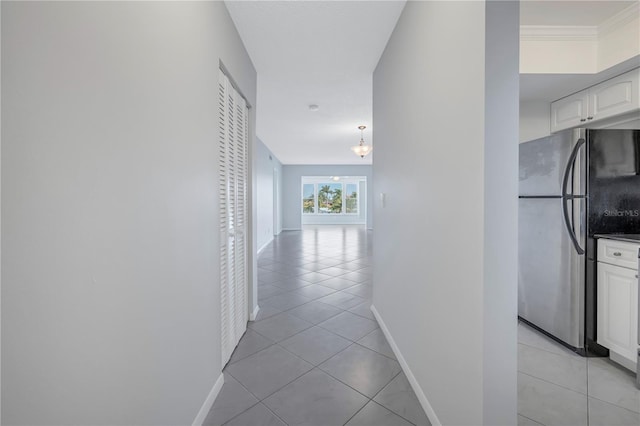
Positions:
(351, 198)
(330, 198)
(308, 198)
(327, 196)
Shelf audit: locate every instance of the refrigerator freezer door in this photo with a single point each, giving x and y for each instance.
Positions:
(543, 162)
(550, 271)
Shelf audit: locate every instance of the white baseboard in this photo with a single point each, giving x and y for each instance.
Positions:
(291, 229)
(254, 314)
(208, 403)
(265, 245)
(626, 363)
(426, 406)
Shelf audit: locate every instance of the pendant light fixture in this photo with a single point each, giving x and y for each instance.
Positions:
(362, 150)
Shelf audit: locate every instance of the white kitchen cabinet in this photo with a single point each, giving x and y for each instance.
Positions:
(617, 96)
(618, 253)
(614, 97)
(618, 301)
(569, 112)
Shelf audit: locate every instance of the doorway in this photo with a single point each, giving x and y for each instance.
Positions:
(276, 202)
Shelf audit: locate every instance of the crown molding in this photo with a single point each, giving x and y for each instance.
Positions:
(620, 19)
(580, 32)
(558, 33)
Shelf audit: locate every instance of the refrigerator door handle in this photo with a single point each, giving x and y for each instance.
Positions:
(569, 197)
(569, 226)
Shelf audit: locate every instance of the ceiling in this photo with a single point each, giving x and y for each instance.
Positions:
(324, 53)
(314, 52)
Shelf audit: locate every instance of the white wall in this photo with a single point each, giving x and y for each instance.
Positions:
(534, 120)
(550, 56)
(501, 169)
(110, 221)
(266, 162)
(291, 190)
(0, 216)
(619, 43)
(446, 241)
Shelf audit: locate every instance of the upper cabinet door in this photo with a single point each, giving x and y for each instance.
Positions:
(570, 111)
(614, 97)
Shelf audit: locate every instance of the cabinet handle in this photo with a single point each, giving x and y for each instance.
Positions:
(582, 120)
(589, 118)
(617, 254)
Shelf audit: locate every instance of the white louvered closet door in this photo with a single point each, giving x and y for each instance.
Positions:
(234, 138)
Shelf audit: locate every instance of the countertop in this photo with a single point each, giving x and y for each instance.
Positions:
(630, 238)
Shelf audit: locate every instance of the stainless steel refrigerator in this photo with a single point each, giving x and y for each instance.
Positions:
(573, 185)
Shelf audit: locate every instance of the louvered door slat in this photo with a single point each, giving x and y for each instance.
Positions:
(240, 158)
(223, 123)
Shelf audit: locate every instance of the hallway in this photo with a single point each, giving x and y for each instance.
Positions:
(315, 355)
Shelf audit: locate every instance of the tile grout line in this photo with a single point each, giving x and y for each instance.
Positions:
(366, 396)
(389, 408)
(615, 405)
(356, 413)
(317, 367)
(241, 413)
(535, 421)
(373, 350)
(282, 312)
(312, 324)
(600, 399)
(248, 391)
(274, 413)
(275, 391)
(245, 357)
(588, 405)
(313, 366)
(325, 329)
(298, 356)
(552, 383)
(571, 355)
(260, 401)
(346, 384)
(397, 414)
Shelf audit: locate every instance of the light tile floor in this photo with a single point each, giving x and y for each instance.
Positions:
(558, 387)
(315, 355)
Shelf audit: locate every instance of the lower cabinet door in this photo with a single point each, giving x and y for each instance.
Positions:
(618, 310)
